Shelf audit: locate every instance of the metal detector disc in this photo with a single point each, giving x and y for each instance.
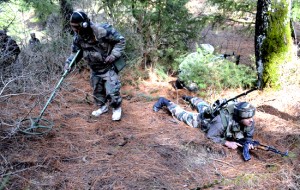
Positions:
(35, 126)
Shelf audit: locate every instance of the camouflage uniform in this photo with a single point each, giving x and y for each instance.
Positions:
(33, 42)
(9, 51)
(216, 129)
(104, 79)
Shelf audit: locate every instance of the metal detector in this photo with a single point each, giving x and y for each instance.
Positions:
(37, 125)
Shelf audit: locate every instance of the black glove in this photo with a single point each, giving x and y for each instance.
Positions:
(110, 59)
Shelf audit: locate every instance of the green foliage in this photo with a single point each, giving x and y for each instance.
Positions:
(160, 72)
(234, 5)
(296, 10)
(214, 72)
(210, 185)
(246, 181)
(160, 30)
(4, 182)
(42, 8)
(8, 16)
(12, 15)
(233, 10)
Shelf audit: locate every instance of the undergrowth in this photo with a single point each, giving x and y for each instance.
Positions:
(214, 72)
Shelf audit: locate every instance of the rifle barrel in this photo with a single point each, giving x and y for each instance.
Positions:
(243, 94)
(272, 149)
(236, 97)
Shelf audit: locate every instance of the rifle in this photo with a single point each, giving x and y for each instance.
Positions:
(257, 145)
(220, 103)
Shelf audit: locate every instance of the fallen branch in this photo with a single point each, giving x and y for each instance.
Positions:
(222, 162)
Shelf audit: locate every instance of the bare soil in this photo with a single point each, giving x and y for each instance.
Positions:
(147, 150)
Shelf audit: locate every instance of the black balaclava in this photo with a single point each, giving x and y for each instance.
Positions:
(82, 19)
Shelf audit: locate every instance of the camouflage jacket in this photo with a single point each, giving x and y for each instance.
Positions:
(219, 133)
(106, 41)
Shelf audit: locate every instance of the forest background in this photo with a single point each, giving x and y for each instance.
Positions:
(160, 37)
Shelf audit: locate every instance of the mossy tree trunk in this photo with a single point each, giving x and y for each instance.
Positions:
(273, 41)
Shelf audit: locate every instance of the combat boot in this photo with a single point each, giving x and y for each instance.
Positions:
(117, 114)
(161, 102)
(187, 98)
(103, 109)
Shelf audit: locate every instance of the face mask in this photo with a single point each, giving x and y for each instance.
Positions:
(86, 33)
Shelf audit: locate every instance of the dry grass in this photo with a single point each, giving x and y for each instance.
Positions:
(148, 150)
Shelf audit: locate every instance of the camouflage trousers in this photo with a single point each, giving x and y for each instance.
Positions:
(106, 87)
(192, 119)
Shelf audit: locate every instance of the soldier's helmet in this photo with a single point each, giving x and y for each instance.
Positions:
(244, 110)
(79, 19)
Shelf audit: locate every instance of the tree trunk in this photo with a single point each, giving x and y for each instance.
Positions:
(273, 41)
(66, 10)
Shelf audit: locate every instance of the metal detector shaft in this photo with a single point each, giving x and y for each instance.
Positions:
(56, 87)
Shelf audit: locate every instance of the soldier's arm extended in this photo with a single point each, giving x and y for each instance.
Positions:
(75, 48)
(216, 133)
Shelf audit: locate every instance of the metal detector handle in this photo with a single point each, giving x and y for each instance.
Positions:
(56, 87)
(71, 64)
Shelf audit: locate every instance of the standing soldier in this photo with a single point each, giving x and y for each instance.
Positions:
(101, 47)
(33, 41)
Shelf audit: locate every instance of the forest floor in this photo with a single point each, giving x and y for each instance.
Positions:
(148, 150)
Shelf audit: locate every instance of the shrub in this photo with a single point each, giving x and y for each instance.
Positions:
(157, 31)
(214, 72)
